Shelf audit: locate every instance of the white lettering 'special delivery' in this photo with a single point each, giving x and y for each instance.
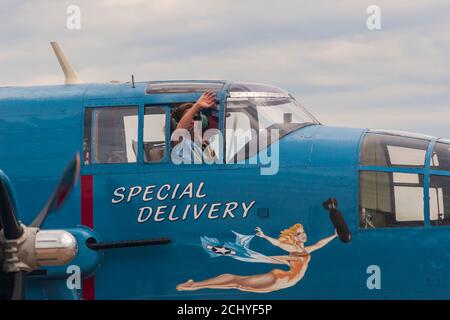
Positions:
(162, 203)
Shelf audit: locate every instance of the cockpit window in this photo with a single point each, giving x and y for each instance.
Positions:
(255, 88)
(393, 151)
(253, 123)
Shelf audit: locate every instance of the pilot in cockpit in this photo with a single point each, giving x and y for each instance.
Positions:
(188, 119)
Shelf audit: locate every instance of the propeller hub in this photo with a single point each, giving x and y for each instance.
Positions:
(18, 254)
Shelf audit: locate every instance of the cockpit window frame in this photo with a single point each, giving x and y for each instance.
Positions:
(426, 171)
(168, 149)
(244, 154)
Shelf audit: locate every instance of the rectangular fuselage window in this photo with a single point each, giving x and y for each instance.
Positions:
(154, 134)
(111, 135)
(390, 199)
(439, 200)
(205, 140)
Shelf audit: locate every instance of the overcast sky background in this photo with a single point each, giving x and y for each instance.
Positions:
(321, 51)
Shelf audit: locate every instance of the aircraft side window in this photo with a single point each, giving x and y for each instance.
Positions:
(255, 120)
(207, 143)
(154, 134)
(110, 133)
(441, 157)
(393, 151)
(238, 133)
(390, 199)
(439, 200)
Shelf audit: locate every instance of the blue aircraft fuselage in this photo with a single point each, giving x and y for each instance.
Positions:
(42, 127)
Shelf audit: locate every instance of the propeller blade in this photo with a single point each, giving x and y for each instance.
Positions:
(68, 180)
(8, 209)
(20, 286)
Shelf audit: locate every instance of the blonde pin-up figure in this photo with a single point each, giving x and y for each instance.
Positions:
(291, 240)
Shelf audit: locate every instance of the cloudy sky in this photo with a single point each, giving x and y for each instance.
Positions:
(320, 50)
